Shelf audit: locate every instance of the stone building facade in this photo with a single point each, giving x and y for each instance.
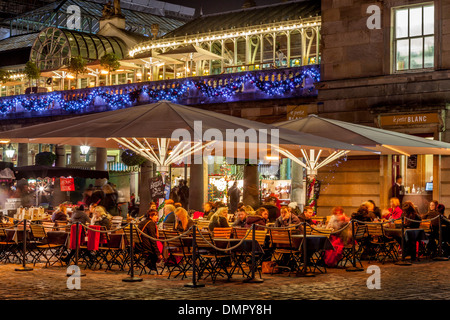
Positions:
(386, 64)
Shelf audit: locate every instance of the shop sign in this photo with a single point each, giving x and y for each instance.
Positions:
(409, 119)
(297, 112)
(156, 187)
(67, 184)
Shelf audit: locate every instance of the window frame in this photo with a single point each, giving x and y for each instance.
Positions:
(422, 36)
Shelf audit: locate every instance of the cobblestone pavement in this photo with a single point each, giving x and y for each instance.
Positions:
(422, 280)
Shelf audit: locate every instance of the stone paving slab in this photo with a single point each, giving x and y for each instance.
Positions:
(420, 281)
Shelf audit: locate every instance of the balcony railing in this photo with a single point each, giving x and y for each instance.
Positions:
(243, 86)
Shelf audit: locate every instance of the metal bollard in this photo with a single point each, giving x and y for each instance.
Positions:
(131, 278)
(194, 283)
(304, 272)
(403, 262)
(253, 279)
(440, 257)
(24, 252)
(354, 267)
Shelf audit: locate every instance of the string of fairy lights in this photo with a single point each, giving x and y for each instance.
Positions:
(114, 101)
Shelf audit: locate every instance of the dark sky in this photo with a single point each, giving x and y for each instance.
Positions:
(213, 6)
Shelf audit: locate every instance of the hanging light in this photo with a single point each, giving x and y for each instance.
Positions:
(10, 151)
(84, 149)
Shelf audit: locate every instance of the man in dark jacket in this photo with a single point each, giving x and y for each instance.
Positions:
(274, 212)
(287, 219)
(80, 216)
(148, 246)
(306, 215)
(241, 220)
(398, 190)
(183, 194)
(235, 196)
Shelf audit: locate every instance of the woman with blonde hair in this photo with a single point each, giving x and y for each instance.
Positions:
(101, 218)
(183, 222)
(395, 211)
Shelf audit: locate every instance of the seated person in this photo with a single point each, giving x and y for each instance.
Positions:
(60, 214)
(148, 246)
(80, 216)
(219, 219)
(362, 214)
(169, 210)
(241, 219)
(394, 211)
(208, 210)
(306, 215)
(101, 218)
(410, 212)
(259, 218)
(287, 219)
(338, 219)
(183, 221)
(270, 205)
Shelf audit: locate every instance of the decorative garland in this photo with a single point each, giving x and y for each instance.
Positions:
(116, 101)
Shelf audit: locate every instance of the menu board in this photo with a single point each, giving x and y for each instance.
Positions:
(156, 187)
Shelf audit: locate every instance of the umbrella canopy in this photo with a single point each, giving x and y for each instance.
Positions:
(34, 172)
(142, 128)
(190, 53)
(380, 140)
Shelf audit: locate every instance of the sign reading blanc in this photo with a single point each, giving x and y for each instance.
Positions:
(409, 119)
(156, 187)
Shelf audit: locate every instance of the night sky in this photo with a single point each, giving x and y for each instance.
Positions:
(213, 6)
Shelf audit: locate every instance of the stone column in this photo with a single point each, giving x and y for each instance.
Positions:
(144, 187)
(251, 186)
(297, 190)
(198, 185)
(22, 155)
(101, 159)
(60, 155)
(74, 154)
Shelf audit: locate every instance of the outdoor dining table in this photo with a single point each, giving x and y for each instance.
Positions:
(314, 244)
(410, 234)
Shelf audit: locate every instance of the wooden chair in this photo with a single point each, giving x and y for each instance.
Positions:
(202, 224)
(426, 226)
(347, 252)
(48, 226)
(213, 263)
(45, 244)
(179, 257)
(281, 241)
(116, 222)
(8, 248)
(245, 258)
(384, 246)
(222, 233)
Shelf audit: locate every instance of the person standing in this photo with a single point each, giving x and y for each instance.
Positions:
(398, 190)
(183, 194)
(235, 196)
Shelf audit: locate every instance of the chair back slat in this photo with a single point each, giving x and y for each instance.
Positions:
(136, 235)
(280, 237)
(426, 225)
(48, 226)
(169, 234)
(38, 231)
(223, 233)
(201, 243)
(375, 230)
(360, 232)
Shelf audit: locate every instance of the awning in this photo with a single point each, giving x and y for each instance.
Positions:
(35, 172)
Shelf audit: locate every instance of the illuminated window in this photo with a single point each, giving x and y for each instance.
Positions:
(414, 37)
